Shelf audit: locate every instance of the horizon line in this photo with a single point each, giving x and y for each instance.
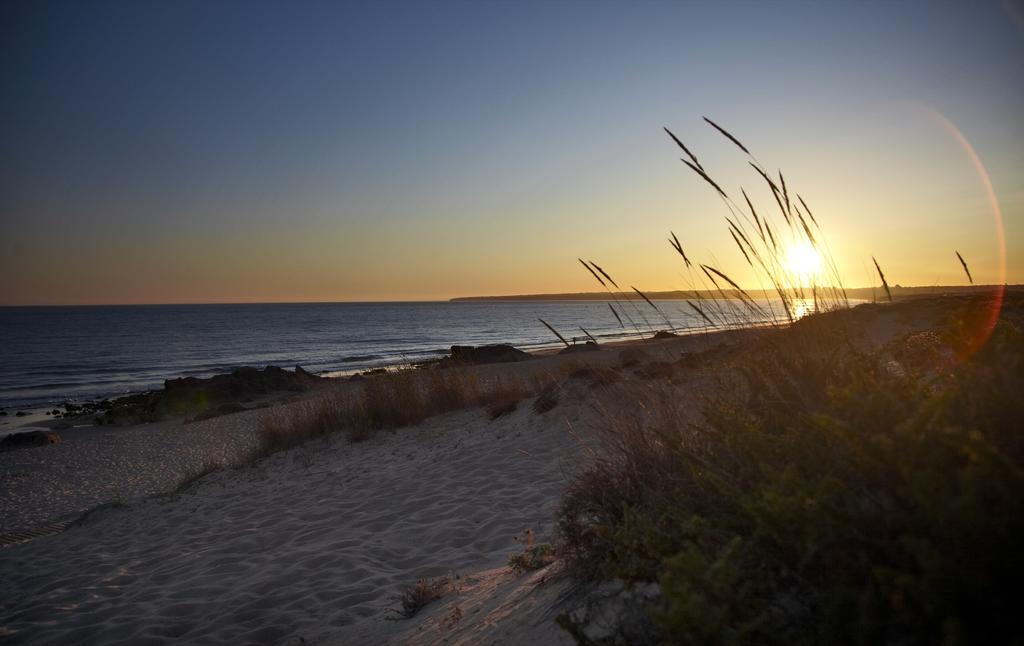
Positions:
(598, 296)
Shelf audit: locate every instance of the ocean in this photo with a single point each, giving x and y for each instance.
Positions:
(50, 355)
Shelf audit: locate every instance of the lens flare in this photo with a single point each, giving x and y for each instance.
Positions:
(992, 306)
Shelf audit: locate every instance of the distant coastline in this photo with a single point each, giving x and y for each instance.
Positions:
(864, 293)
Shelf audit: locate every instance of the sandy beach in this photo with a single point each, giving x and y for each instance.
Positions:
(309, 543)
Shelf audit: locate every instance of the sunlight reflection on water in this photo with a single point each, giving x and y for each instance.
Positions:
(802, 307)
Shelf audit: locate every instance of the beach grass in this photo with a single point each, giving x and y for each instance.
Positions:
(826, 490)
(387, 401)
(838, 494)
(765, 242)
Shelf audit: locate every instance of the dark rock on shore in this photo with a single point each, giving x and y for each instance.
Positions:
(476, 355)
(189, 395)
(78, 410)
(664, 334)
(589, 346)
(186, 392)
(28, 440)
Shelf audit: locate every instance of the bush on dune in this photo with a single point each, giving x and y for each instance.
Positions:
(416, 597)
(846, 501)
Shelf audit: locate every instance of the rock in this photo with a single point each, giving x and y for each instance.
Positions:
(188, 395)
(133, 409)
(614, 613)
(27, 440)
(21, 413)
(475, 355)
(191, 393)
(589, 346)
(664, 334)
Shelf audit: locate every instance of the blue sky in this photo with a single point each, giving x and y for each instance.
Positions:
(223, 151)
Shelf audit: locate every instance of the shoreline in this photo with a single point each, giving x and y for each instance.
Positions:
(240, 429)
(40, 417)
(36, 382)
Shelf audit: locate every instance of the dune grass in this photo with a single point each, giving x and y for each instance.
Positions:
(387, 401)
(764, 241)
(829, 492)
(841, 496)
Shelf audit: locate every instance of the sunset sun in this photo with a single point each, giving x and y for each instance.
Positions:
(803, 261)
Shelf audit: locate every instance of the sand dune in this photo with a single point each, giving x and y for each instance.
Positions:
(312, 543)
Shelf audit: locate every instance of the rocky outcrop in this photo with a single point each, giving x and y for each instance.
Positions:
(188, 393)
(207, 397)
(27, 440)
(476, 355)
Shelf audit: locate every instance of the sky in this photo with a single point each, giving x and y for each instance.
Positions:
(188, 152)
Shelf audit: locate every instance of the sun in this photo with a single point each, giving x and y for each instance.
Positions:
(803, 261)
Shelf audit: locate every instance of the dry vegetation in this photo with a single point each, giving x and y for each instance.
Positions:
(386, 401)
(848, 497)
(764, 240)
(844, 494)
(415, 597)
